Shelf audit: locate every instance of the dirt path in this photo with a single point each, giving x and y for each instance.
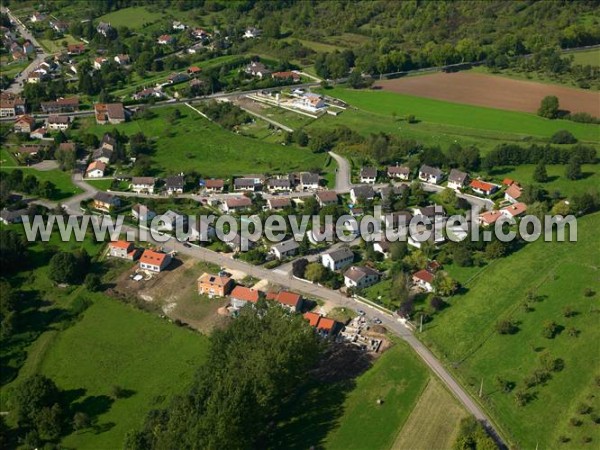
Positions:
(493, 91)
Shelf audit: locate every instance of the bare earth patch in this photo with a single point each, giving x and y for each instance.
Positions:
(493, 91)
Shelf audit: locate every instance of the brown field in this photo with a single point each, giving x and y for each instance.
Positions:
(493, 91)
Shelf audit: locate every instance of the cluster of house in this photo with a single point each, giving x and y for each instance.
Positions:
(19, 52)
(259, 70)
(102, 157)
(11, 105)
(26, 124)
(513, 209)
(113, 113)
(149, 260)
(60, 26)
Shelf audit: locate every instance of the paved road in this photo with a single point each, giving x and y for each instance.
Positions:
(343, 182)
(17, 85)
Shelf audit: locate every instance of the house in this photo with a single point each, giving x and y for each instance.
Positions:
(237, 204)
(286, 76)
(513, 193)
(433, 240)
(279, 203)
(360, 194)
(240, 296)
(142, 213)
(104, 28)
(327, 198)
(310, 102)
(483, 188)
(37, 17)
(368, 175)
(60, 26)
(122, 59)
(360, 277)
(95, 169)
(257, 69)
(432, 212)
(245, 184)
(289, 300)
(324, 325)
(430, 174)
(399, 172)
(11, 105)
(252, 33)
(215, 285)
(382, 246)
(29, 150)
(240, 244)
(67, 146)
(102, 154)
(171, 221)
(99, 62)
(398, 220)
(76, 49)
(279, 184)
(285, 249)
(214, 185)
(489, 218)
(175, 78)
(396, 190)
(35, 77)
(194, 71)
(424, 280)
(61, 105)
(309, 181)
(24, 124)
(28, 48)
(113, 113)
(123, 250)
(147, 93)
(175, 184)
(200, 33)
(18, 56)
(457, 179)
(54, 122)
(143, 185)
(39, 133)
(508, 182)
(178, 26)
(154, 261)
(7, 217)
(514, 210)
(338, 259)
(105, 202)
(165, 39)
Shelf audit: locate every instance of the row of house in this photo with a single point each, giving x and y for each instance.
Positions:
(149, 260)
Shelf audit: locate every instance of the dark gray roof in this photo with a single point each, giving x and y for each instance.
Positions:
(363, 191)
(356, 273)
(279, 182)
(428, 170)
(341, 254)
(286, 246)
(244, 182)
(309, 178)
(368, 172)
(457, 176)
(174, 182)
(11, 216)
(106, 197)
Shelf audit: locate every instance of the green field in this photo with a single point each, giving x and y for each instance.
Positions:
(56, 45)
(134, 17)
(587, 57)
(445, 121)
(62, 180)
(194, 143)
(464, 337)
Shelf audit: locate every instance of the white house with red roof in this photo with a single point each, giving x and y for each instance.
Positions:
(154, 261)
(514, 210)
(287, 299)
(513, 193)
(123, 249)
(424, 280)
(241, 296)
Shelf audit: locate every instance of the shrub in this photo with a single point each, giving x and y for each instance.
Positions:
(563, 137)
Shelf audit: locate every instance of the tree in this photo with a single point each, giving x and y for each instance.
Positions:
(398, 250)
(462, 255)
(81, 421)
(63, 268)
(401, 288)
(495, 249)
(563, 137)
(573, 170)
(506, 326)
(550, 329)
(437, 303)
(299, 267)
(444, 285)
(315, 272)
(13, 251)
(49, 422)
(549, 107)
(93, 282)
(540, 174)
(33, 394)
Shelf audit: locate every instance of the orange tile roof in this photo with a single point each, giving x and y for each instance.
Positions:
(507, 182)
(482, 185)
(244, 293)
(326, 324)
(514, 191)
(121, 244)
(424, 275)
(96, 165)
(313, 318)
(516, 210)
(152, 257)
(490, 217)
(288, 298)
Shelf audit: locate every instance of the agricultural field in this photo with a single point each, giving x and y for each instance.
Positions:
(563, 285)
(194, 143)
(135, 17)
(493, 92)
(586, 57)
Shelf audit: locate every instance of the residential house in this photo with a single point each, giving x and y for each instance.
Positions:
(285, 249)
(7, 216)
(398, 220)
(147, 93)
(142, 213)
(123, 249)
(11, 104)
(360, 277)
(489, 218)
(309, 181)
(54, 122)
(179, 77)
(257, 69)
(324, 325)
(457, 179)
(29, 150)
(61, 105)
(245, 184)
(171, 221)
(175, 184)
(382, 246)
(103, 154)
(37, 17)
(279, 184)
(67, 146)
(423, 279)
(326, 198)
(338, 259)
(178, 26)
(286, 76)
(76, 49)
(60, 26)
(104, 201)
(236, 204)
(433, 240)
(28, 48)
(430, 174)
(252, 32)
(398, 190)
(194, 71)
(214, 185)
(165, 39)
(200, 33)
(113, 113)
(19, 56)
(399, 172)
(360, 194)
(24, 124)
(142, 185)
(95, 169)
(215, 285)
(513, 193)
(368, 175)
(39, 133)
(483, 188)
(432, 212)
(240, 244)
(289, 300)
(104, 28)
(240, 296)
(35, 77)
(99, 62)
(514, 210)
(310, 102)
(154, 261)
(122, 59)
(279, 203)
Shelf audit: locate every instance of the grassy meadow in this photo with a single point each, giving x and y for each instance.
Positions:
(464, 337)
(587, 57)
(62, 180)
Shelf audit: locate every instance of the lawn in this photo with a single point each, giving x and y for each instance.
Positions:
(464, 337)
(433, 423)
(134, 17)
(62, 180)
(194, 143)
(452, 118)
(586, 57)
(55, 45)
